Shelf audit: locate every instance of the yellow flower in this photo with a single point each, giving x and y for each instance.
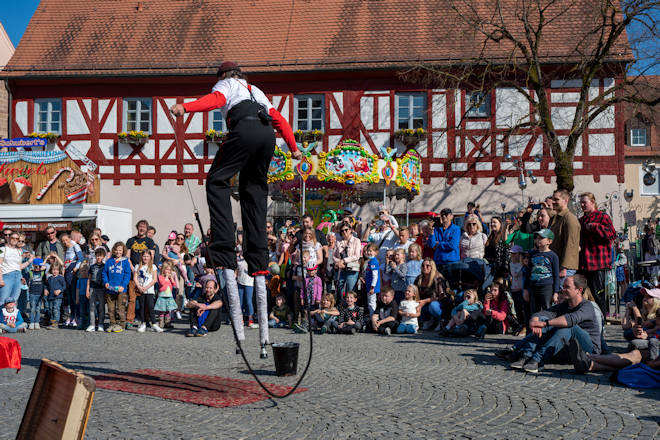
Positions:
(123, 134)
(420, 131)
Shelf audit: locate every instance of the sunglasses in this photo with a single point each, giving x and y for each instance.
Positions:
(13, 238)
(344, 230)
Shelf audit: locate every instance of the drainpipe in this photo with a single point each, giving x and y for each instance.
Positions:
(9, 105)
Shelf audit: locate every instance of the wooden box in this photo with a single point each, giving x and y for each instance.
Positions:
(59, 404)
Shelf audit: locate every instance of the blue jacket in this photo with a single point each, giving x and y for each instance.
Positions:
(56, 283)
(117, 273)
(447, 241)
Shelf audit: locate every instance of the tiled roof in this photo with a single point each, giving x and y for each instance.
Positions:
(147, 37)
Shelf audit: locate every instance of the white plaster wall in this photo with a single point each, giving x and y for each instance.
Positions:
(110, 125)
(75, 122)
(439, 110)
(196, 123)
(334, 118)
(167, 207)
(367, 112)
(21, 117)
(384, 122)
(164, 125)
(512, 108)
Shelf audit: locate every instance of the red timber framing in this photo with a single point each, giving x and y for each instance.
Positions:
(359, 106)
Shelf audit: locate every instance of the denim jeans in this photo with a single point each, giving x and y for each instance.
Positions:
(83, 302)
(12, 286)
(22, 301)
(53, 305)
(35, 309)
(245, 296)
(435, 309)
(552, 342)
(273, 324)
(406, 328)
(347, 281)
(8, 329)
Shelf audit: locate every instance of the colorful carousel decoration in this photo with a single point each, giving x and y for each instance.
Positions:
(346, 174)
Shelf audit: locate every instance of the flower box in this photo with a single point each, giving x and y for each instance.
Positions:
(134, 137)
(409, 137)
(308, 135)
(217, 137)
(51, 138)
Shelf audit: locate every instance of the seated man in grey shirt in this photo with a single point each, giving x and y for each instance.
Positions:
(552, 329)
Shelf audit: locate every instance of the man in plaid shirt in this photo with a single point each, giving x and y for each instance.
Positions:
(596, 236)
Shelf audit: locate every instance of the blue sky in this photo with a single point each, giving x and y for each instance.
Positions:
(15, 16)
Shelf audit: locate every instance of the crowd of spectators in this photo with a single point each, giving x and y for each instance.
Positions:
(541, 275)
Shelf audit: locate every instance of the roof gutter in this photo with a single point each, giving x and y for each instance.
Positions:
(9, 109)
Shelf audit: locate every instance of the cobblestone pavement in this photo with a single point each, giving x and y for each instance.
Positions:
(360, 387)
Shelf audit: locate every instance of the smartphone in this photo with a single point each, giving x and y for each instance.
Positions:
(536, 206)
(638, 320)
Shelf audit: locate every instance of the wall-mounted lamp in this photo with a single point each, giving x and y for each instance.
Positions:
(629, 193)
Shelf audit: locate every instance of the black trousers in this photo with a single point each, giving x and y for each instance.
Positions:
(248, 149)
(212, 322)
(596, 280)
(147, 313)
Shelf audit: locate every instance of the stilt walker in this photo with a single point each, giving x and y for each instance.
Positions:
(247, 149)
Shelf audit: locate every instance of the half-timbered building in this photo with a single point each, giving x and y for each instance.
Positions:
(90, 70)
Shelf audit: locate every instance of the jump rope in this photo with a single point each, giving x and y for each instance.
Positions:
(226, 300)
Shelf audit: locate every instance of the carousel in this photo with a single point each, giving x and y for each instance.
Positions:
(346, 174)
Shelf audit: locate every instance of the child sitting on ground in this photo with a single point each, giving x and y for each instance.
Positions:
(494, 317)
(350, 317)
(384, 320)
(409, 310)
(325, 318)
(11, 320)
(461, 312)
(280, 315)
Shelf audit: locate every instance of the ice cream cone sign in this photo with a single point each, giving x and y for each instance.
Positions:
(21, 189)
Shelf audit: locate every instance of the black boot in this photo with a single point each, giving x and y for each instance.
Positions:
(264, 353)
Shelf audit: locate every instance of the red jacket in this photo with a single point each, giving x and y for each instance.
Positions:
(596, 236)
(500, 311)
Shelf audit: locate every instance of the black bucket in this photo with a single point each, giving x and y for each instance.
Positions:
(286, 358)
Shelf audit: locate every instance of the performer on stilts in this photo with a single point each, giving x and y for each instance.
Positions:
(247, 149)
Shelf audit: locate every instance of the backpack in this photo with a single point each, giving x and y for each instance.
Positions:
(638, 376)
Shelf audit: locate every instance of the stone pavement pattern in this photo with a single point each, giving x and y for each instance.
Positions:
(360, 387)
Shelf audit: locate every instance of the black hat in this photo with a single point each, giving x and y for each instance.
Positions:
(105, 237)
(227, 66)
(445, 211)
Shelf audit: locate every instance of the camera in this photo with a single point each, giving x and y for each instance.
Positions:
(263, 115)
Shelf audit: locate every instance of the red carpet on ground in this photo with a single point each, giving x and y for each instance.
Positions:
(214, 391)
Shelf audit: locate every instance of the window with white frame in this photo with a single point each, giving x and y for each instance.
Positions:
(216, 121)
(309, 112)
(48, 117)
(478, 104)
(638, 137)
(411, 110)
(137, 114)
(650, 187)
